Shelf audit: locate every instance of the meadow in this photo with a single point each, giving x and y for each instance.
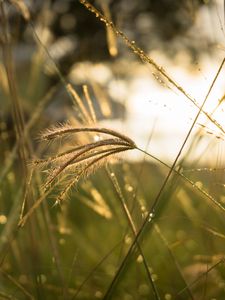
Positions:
(86, 211)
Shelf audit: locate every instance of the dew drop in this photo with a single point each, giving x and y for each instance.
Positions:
(154, 277)
(168, 297)
(199, 184)
(151, 216)
(139, 259)
(98, 294)
(128, 240)
(129, 188)
(97, 138)
(3, 219)
(143, 208)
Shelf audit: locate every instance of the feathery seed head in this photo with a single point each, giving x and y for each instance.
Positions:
(83, 159)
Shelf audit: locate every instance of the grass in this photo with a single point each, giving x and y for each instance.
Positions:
(81, 221)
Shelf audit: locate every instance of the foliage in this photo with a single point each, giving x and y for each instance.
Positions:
(78, 219)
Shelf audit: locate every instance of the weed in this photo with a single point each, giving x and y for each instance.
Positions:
(130, 230)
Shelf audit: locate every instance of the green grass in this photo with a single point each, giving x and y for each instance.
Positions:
(125, 230)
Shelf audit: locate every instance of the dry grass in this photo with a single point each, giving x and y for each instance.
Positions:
(123, 232)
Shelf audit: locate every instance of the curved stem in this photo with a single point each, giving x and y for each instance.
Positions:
(155, 203)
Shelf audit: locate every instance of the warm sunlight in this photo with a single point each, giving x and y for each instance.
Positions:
(167, 115)
(160, 114)
(112, 153)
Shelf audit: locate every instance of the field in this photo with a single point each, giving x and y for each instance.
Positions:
(88, 208)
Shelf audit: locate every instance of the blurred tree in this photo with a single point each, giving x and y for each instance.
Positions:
(152, 24)
(73, 34)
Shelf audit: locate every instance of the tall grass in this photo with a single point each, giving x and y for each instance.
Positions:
(81, 221)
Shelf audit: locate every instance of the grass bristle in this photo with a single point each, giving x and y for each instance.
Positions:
(85, 218)
(84, 159)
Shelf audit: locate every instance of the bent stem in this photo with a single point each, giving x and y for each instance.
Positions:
(74, 181)
(146, 58)
(148, 219)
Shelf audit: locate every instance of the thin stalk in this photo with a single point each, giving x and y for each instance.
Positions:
(79, 154)
(5, 296)
(43, 196)
(55, 250)
(89, 104)
(186, 139)
(155, 203)
(94, 269)
(133, 229)
(78, 101)
(23, 143)
(17, 284)
(94, 161)
(106, 142)
(100, 152)
(62, 131)
(145, 58)
(16, 105)
(201, 276)
(160, 234)
(192, 184)
(34, 117)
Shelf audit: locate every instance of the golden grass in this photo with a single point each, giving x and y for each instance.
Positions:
(79, 150)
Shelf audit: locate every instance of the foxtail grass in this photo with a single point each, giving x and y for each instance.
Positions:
(83, 159)
(81, 149)
(68, 167)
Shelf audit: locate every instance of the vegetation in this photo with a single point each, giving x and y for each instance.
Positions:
(79, 217)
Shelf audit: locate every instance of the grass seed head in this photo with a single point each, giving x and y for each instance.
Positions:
(80, 160)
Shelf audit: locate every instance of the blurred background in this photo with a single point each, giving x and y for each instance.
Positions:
(73, 250)
(185, 37)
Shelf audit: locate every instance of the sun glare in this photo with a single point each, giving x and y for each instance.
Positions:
(159, 116)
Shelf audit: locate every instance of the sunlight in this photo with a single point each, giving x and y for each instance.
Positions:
(171, 112)
(164, 113)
